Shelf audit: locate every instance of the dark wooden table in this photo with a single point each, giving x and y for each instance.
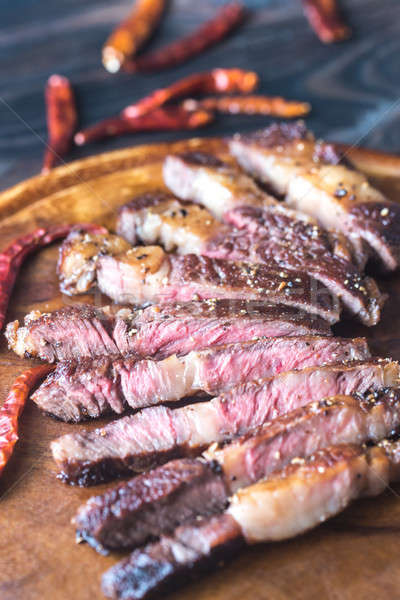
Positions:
(353, 86)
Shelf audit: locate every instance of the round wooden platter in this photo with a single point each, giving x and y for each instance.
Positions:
(352, 556)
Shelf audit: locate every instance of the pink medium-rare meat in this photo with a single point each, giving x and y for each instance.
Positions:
(291, 501)
(148, 274)
(89, 388)
(157, 434)
(80, 331)
(156, 502)
(268, 235)
(311, 177)
(357, 419)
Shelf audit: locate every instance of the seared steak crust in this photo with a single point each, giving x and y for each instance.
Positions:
(253, 281)
(136, 511)
(202, 159)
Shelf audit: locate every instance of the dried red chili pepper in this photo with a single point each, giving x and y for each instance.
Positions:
(61, 120)
(217, 81)
(13, 407)
(161, 119)
(325, 19)
(12, 258)
(208, 34)
(132, 33)
(251, 105)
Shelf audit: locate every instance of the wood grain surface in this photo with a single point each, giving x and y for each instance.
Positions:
(352, 556)
(353, 87)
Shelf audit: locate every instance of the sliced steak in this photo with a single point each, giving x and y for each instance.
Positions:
(162, 567)
(91, 388)
(160, 218)
(148, 274)
(308, 174)
(206, 180)
(272, 234)
(290, 502)
(157, 434)
(80, 331)
(157, 502)
(154, 502)
(79, 255)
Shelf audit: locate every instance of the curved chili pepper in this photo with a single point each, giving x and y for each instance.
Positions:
(61, 120)
(12, 258)
(161, 119)
(251, 105)
(13, 407)
(217, 81)
(325, 19)
(132, 33)
(208, 34)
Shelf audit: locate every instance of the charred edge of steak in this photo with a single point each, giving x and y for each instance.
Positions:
(329, 154)
(88, 473)
(280, 134)
(148, 200)
(260, 279)
(152, 503)
(277, 134)
(154, 571)
(201, 159)
(381, 220)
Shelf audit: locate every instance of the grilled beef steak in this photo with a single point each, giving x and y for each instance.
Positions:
(164, 566)
(307, 172)
(155, 503)
(79, 255)
(81, 331)
(288, 503)
(206, 180)
(90, 388)
(148, 274)
(157, 434)
(272, 234)
(151, 503)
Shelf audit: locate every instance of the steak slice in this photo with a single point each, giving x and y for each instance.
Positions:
(308, 174)
(148, 274)
(79, 331)
(162, 567)
(272, 234)
(157, 434)
(205, 179)
(156, 502)
(290, 502)
(91, 388)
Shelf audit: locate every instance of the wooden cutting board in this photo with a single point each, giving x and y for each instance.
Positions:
(355, 555)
